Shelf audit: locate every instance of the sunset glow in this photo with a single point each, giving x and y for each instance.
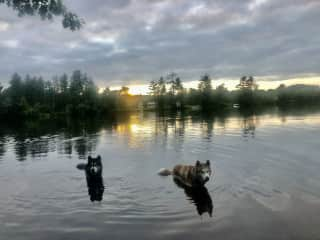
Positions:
(230, 84)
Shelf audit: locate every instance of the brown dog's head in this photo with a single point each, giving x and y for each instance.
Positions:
(203, 171)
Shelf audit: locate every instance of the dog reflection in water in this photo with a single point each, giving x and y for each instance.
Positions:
(93, 170)
(198, 195)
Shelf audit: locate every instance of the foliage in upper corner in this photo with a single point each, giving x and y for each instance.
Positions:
(46, 9)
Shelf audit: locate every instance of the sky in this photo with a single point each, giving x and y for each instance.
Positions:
(131, 42)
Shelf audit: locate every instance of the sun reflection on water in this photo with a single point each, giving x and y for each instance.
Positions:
(140, 129)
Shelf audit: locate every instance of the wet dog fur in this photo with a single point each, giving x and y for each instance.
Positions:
(93, 170)
(190, 176)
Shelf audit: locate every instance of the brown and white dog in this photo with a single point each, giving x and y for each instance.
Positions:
(188, 175)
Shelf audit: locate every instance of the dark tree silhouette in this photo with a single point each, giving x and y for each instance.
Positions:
(124, 91)
(77, 95)
(175, 94)
(162, 86)
(175, 83)
(247, 83)
(246, 96)
(205, 85)
(154, 88)
(46, 9)
(205, 88)
(158, 92)
(16, 89)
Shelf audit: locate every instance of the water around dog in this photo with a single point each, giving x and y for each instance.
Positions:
(266, 182)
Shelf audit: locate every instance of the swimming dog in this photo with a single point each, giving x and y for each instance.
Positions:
(190, 176)
(93, 170)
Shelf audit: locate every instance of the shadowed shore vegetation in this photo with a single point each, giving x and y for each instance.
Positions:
(78, 96)
(247, 97)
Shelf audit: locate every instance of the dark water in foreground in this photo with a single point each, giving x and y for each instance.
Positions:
(266, 183)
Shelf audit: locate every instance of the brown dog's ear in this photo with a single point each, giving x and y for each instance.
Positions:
(197, 163)
(208, 162)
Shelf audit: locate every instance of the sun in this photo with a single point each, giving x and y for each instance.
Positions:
(133, 89)
(139, 89)
(101, 89)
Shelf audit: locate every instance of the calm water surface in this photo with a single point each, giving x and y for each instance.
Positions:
(266, 182)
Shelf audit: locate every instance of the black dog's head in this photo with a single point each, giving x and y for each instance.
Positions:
(94, 165)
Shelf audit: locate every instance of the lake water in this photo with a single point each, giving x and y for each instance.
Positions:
(266, 182)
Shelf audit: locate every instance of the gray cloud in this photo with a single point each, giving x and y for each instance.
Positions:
(134, 41)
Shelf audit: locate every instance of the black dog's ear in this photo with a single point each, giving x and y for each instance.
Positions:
(197, 163)
(99, 158)
(208, 162)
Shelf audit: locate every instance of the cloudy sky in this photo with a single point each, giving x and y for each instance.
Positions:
(130, 42)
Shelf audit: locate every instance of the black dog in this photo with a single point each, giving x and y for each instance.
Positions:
(94, 178)
(199, 196)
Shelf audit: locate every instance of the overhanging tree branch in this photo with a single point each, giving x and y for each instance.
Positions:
(46, 9)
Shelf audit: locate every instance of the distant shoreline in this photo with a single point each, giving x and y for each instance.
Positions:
(77, 96)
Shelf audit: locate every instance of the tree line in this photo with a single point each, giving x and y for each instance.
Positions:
(246, 96)
(77, 95)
